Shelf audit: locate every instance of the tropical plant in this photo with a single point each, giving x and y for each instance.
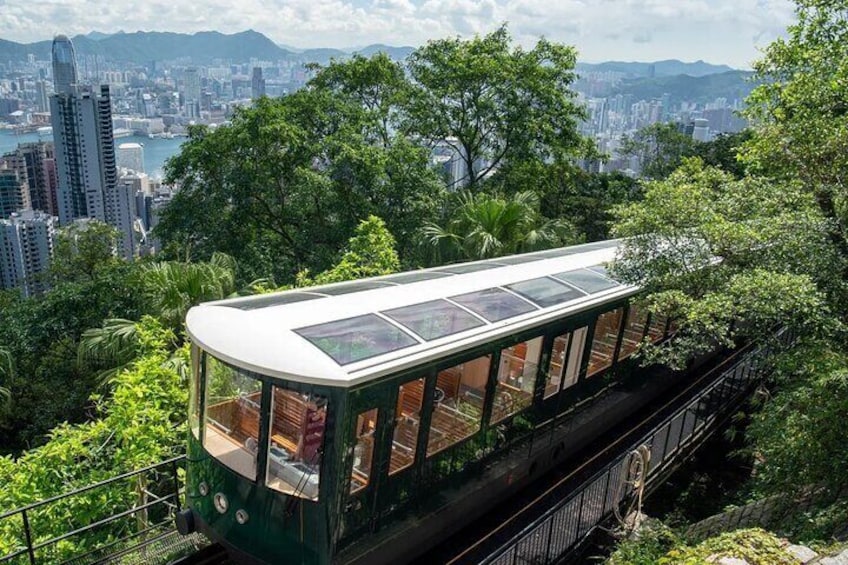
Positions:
(171, 288)
(483, 226)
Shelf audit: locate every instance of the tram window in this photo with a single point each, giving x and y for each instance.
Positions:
(565, 361)
(634, 331)
(603, 344)
(656, 328)
(363, 450)
(297, 437)
(231, 416)
(408, 417)
(516, 378)
(458, 403)
(194, 393)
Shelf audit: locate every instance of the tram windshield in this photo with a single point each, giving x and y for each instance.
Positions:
(231, 416)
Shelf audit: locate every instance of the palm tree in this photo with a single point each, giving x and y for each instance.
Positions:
(171, 288)
(484, 226)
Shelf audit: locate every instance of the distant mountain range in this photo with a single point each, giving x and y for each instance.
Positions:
(671, 67)
(732, 85)
(142, 47)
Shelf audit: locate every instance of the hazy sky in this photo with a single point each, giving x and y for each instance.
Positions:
(717, 31)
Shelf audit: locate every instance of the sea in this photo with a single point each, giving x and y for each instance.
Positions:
(156, 150)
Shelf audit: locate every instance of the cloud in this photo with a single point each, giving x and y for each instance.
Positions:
(714, 30)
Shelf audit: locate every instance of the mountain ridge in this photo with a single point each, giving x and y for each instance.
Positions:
(141, 47)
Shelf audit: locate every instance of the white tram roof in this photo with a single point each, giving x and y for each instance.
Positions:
(350, 333)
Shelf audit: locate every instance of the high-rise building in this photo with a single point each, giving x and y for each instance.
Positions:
(131, 156)
(14, 188)
(191, 86)
(257, 86)
(42, 98)
(26, 247)
(123, 215)
(85, 153)
(38, 160)
(64, 65)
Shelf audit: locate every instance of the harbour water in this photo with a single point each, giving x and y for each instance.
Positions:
(156, 150)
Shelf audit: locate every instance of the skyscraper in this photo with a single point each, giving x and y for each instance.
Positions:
(38, 160)
(14, 188)
(257, 84)
(191, 86)
(85, 149)
(64, 65)
(26, 246)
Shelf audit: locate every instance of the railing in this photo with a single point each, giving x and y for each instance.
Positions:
(569, 521)
(128, 513)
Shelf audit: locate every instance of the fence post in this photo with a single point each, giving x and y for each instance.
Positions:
(176, 486)
(28, 535)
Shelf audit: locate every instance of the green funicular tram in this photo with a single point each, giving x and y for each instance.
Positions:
(363, 422)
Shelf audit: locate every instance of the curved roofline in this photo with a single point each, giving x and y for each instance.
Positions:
(319, 338)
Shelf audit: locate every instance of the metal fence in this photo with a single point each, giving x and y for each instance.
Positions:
(570, 521)
(110, 521)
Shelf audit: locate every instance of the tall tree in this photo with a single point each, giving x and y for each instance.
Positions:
(659, 149)
(800, 109)
(494, 103)
(729, 258)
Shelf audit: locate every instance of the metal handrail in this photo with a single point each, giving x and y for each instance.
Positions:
(171, 500)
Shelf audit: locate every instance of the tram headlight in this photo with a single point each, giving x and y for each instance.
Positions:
(241, 516)
(203, 488)
(221, 503)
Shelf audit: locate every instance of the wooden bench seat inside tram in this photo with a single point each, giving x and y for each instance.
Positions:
(237, 418)
(289, 414)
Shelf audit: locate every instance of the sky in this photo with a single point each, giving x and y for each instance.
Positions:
(717, 31)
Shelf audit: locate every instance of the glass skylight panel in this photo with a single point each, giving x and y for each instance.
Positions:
(347, 288)
(415, 276)
(519, 259)
(272, 300)
(434, 319)
(355, 339)
(494, 304)
(467, 268)
(587, 280)
(601, 270)
(546, 292)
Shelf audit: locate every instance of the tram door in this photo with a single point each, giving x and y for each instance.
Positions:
(368, 432)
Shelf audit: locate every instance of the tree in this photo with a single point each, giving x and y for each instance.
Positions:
(659, 149)
(82, 249)
(800, 110)
(728, 259)
(171, 288)
(369, 253)
(143, 422)
(6, 368)
(482, 226)
(495, 104)
(284, 186)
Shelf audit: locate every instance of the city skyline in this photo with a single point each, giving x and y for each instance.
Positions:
(717, 31)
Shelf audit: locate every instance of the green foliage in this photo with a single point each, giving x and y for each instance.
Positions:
(284, 186)
(484, 226)
(170, 288)
(495, 103)
(49, 385)
(800, 111)
(711, 249)
(369, 253)
(659, 148)
(142, 423)
(6, 369)
(755, 546)
(799, 435)
(652, 542)
(82, 250)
